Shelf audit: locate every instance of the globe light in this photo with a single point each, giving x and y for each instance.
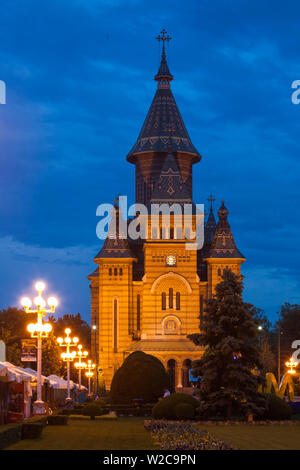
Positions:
(52, 302)
(47, 327)
(75, 339)
(60, 340)
(31, 327)
(94, 327)
(68, 340)
(67, 331)
(85, 353)
(26, 302)
(39, 302)
(40, 286)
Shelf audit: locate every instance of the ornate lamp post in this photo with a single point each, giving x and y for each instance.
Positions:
(68, 356)
(291, 364)
(90, 373)
(39, 330)
(80, 364)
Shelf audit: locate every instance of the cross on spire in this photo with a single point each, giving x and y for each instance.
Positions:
(163, 36)
(211, 199)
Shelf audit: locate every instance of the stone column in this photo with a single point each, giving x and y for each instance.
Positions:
(179, 376)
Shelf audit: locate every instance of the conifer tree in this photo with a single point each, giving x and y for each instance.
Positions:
(230, 364)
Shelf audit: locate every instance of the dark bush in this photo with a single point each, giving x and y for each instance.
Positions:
(40, 419)
(57, 420)
(141, 376)
(92, 410)
(32, 430)
(166, 408)
(277, 408)
(9, 434)
(184, 411)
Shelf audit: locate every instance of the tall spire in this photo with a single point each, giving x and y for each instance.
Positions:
(210, 226)
(163, 127)
(163, 76)
(223, 244)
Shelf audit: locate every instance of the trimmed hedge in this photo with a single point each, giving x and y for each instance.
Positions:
(141, 376)
(9, 434)
(184, 411)
(92, 410)
(32, 430)
(277, 409)
(166, 408)
(59, 420)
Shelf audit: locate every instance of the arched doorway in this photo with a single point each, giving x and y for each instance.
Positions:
(186, 367)
(171, 368)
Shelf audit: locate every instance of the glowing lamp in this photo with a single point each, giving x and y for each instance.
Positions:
(26, 302)
(40, 286)
(52, 302)
(39, 302)
(67, 331)
(31, 328)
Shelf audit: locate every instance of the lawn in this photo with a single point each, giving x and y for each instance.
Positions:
(251, 437)
(120, 434)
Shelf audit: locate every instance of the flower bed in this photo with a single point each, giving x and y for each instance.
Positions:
(175, 435)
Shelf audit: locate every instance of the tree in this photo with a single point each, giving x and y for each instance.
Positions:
(288, 326)
(13, 328)
(78, 326)
(231, 356)
(267, 358)
(140, 376)
(52, 363)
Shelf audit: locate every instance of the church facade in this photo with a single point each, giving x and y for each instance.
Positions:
(148, 294)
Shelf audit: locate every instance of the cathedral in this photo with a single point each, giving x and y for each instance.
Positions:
(148, 294)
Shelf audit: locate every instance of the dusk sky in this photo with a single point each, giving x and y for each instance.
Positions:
(79, 78)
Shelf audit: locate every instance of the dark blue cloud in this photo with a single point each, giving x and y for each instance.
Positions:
(79, 84)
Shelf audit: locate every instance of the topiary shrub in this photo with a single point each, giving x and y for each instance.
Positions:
(141, 376)
(166, 408)
(92, 410)
(9, 434)
(60, 420)
(32, 430)
(277, 408)
(184, 411)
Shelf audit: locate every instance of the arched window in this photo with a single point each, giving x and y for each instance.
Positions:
(163, 301)
(177, 300)
(115, 326)
(138, 312)
(170, 297)
(121, 272)
(187, 365)
(110, 271)
(115, 272)
(171, 366)
(171, 233)
(219, 272)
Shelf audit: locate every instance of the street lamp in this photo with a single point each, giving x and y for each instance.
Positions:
(291, 364)
(90, 373)
(80, 364)
(39, 330)
(68, 356)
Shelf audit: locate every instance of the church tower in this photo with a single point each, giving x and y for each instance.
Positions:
(148, 294)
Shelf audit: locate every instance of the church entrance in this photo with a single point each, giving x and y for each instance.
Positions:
(171, 368)
(186, 367)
